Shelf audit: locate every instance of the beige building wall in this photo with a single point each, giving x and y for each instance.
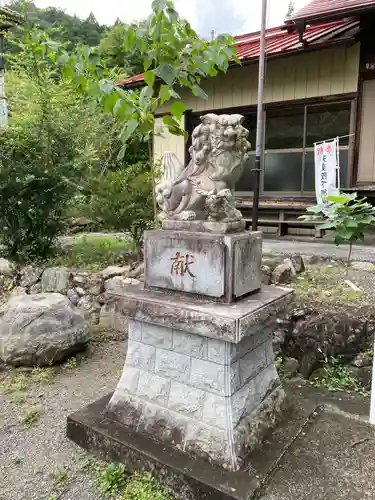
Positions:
(366, 160)
(315, 74)
(165, 141)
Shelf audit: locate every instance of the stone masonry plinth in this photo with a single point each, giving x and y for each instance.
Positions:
(222, 266)
(200, 375)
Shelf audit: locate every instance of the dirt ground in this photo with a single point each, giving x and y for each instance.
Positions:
(39, 462)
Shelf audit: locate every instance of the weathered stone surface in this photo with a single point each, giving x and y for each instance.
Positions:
(40, 329)
(363, 266)
(204, 190)
(218, 351)
(186, 400)
(137, 271)
(110, 319)
(298, 263)
(129, 379)
(88, 305)
(266, 275)
(283, 273)
(141, 356)
(7, 268)
(29, 275)
(290, 367)
(153, 388)
(362, 359)
(253, 363)
(112, 271)
(73, 296)
(56, 279)
(215, 411)
(135, 330)
(209, 319)
(181, 342)
(179, 261)
(18, 290)
(208, 376)
(119, 282)
(157, 335)
(81, 292)
(172, 365)
(191, 345)
(34, 289)
(204, 226)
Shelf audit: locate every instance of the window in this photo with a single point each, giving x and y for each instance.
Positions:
(284, 149)
(290, 134)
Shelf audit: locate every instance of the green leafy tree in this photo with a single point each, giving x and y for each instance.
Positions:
(346, 215)
(39, 153)
(61, 26)
(116, 53)
(123, 199)
(174, 57)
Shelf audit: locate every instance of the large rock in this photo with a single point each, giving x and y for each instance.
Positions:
(119, 282)
(111, 271)
(41, 329)
(30, 275)
(266, 275)
(7, 268)
(283, 273)
(56, 279)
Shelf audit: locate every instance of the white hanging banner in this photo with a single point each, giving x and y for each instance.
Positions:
(326, 169)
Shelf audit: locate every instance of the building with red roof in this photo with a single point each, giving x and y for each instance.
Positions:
(320, 84)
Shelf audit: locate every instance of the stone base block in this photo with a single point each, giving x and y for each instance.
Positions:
(189, 478)
(223, 266)
(204, 226)
(206, 393)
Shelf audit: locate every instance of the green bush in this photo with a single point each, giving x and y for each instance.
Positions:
(36, 183)
(123, 199)
(144, 487)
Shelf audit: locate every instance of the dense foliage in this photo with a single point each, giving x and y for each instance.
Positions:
(62, 26)
(346, 215)
(39, 156)
(76, 135)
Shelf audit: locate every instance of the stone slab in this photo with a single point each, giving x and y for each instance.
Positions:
(191, 478)
(191, 314)
(204, 226)
(223, 266)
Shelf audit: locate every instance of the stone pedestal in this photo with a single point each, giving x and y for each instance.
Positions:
(200, 375)
(222, 266)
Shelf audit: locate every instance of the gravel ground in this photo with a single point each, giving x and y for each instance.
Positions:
(30, 459)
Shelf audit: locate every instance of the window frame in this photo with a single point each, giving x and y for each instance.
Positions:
(350, 99)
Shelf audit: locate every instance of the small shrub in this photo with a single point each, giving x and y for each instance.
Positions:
(43, 376)
(348, 216)
(123, 199)
(18, 397)
(336, 377)
(60, 477)
(13, 384)
(279, 363)
(112, 479)
(144, 487)
(30, 417)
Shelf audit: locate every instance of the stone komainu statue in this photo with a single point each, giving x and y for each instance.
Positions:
(204, 189)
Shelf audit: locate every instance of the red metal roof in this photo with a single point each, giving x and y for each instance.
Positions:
(279, 41)
(329, 9)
